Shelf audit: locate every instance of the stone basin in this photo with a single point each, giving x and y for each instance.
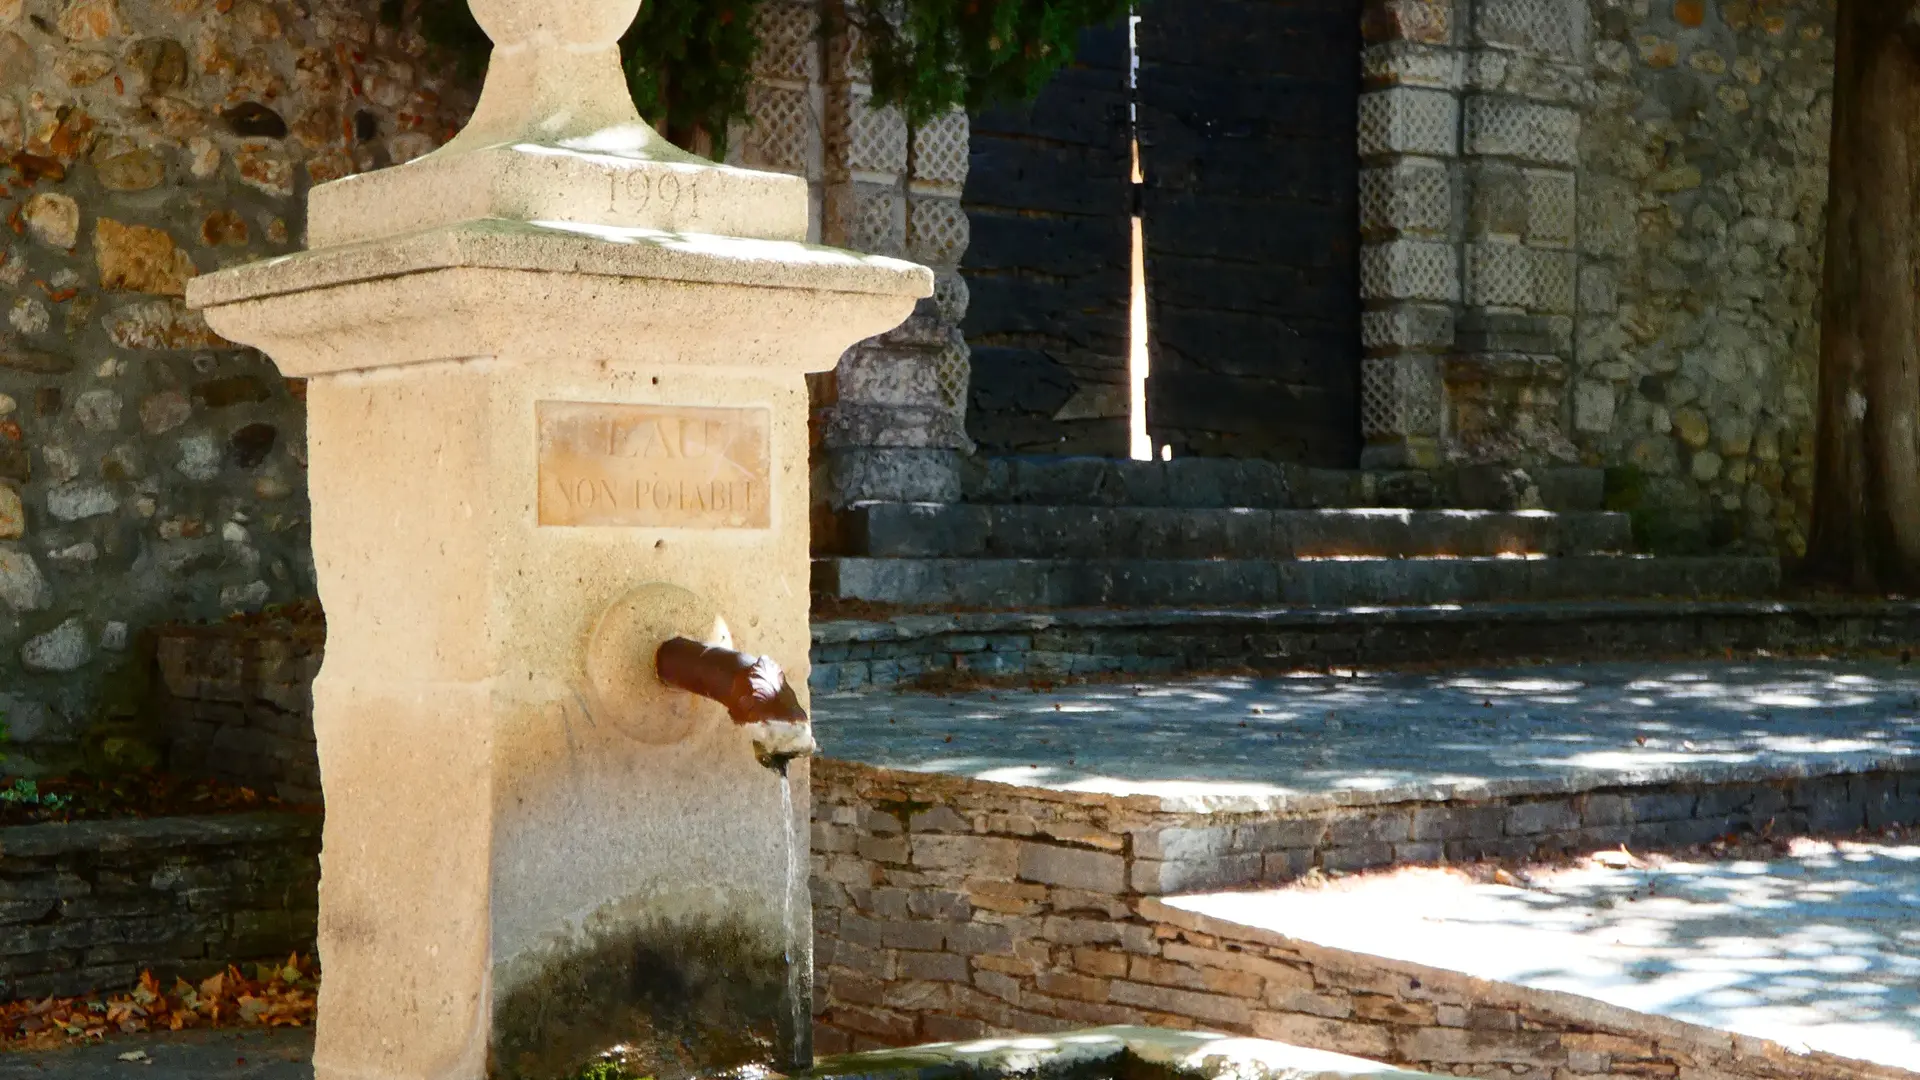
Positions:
(1106, 1053)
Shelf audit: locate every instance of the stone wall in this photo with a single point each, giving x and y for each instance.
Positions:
(947, 908)
(88, 906)
(1705, 184)
(150, 471)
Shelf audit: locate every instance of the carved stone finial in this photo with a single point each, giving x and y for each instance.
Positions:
(555, 137)
(570, 24)
(555, 78)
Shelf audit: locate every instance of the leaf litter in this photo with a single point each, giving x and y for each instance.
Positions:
(276, 995)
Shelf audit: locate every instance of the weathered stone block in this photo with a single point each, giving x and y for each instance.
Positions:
(1072, 867)
(1409, 120)
(1409, 270)
(1521, 130)
(1412, 196)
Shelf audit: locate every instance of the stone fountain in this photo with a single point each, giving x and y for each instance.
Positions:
(557, 420)
(558, 462)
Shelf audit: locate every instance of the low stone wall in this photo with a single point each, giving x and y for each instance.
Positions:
(862, 654)
(236, 704)
(947, 908)
(90, 905)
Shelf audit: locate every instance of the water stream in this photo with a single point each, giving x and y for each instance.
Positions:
(798, 1050)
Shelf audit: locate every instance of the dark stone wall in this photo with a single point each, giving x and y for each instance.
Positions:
(1049, 199)
(235, 703)
(1248, 114)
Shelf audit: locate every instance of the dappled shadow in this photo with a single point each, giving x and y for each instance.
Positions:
(1487, 732)
(1815, 950)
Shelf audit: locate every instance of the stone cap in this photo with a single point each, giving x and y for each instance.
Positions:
(591, 250)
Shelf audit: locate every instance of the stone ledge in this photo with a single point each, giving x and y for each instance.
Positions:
(153, 834)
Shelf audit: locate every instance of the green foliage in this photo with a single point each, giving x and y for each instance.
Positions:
(27, 793)
(688, 61)
(930, 55)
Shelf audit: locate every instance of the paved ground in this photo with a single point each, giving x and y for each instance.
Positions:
(217, 1055)
(1820, 949)
(1245, 743)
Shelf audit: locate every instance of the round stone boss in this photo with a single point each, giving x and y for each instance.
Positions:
(620, 666)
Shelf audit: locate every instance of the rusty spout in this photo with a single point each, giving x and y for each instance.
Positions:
(754, 690)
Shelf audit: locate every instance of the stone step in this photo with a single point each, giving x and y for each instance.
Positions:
(933, 530)
(1219, 483)
(1045, 583)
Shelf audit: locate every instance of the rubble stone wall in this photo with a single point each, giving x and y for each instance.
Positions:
(1704, 159)
(150, 471)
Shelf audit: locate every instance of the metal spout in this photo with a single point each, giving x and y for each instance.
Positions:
(754, 690)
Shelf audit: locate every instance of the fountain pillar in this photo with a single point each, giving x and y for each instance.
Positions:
(557, 419)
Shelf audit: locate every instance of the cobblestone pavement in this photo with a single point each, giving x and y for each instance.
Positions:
(1819, 949)
(192, 1055)
(1223, 740)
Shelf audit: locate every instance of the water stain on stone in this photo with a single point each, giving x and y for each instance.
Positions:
(676, 1000)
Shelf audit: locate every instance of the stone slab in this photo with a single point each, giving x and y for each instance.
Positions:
(1240, 744)
(1040, 583)
(1814, 951)
(1122, 1049)
(922, 530)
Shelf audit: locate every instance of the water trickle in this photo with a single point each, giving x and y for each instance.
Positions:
(798, 1050)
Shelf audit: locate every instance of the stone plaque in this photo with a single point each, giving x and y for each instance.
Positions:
(655, 465)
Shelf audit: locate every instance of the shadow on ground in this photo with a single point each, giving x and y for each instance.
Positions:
(1425, 735)
(1818, 950)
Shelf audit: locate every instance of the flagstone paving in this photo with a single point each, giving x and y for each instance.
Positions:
(1818, 950)
(1240, 743)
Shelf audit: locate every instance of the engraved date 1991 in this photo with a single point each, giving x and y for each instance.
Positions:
(636, 190)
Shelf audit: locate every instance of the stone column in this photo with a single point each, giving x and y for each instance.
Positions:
(1410, 187)
(1469, 132)
(892, 418)
(557, 415)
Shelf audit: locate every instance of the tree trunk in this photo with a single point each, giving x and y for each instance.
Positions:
(1866, 512)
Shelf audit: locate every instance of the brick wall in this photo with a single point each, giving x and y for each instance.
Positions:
(947, 908)
(90, 905)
